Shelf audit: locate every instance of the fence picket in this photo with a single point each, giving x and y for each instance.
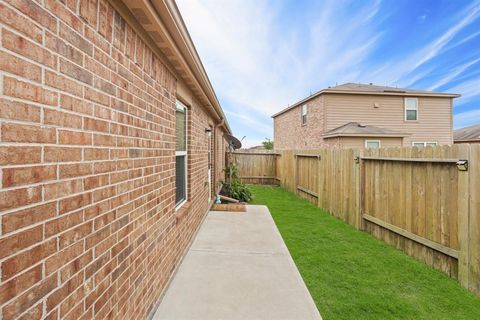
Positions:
(426, 207)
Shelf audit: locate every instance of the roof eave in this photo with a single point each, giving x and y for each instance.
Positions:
(360, 135)
(467, 140)
(172, 37)
(403, 94)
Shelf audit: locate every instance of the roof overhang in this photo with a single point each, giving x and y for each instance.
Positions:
(366, 135)
(466, 140)
(162, 22)
(392, 93)
(402, 94)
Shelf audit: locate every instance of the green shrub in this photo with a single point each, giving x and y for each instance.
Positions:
(237, 190)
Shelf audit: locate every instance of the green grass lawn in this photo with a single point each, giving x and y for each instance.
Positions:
(352, 275)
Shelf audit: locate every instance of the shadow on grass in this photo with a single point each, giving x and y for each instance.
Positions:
(352, 275)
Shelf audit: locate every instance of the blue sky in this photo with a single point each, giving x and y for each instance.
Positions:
(263, 55)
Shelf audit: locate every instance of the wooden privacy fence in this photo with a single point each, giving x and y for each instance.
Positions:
(255, 168)
(422, 201)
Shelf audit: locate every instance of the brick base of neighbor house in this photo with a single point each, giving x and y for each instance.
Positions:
(288, 133)
(88, 227)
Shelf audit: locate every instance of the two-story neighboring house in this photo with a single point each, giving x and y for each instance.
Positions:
(355, 115)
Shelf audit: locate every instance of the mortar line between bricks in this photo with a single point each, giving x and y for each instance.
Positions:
(84, 85)
(48, 183)
(65, 214)
(80, 130)
(78, 193)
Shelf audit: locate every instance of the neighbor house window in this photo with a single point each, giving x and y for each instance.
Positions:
(424, 144)
(372, 144)
(304, 114)
(411, 109)
(181, 154)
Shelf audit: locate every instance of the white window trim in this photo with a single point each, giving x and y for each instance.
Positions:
(181, 106)
(405, 109)
(368, 140)
(424, 143)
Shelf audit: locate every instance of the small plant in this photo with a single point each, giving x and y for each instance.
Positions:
(231, 172)
(237, 190)
(234, 188)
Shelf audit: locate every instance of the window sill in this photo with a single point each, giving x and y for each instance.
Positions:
(182, 212)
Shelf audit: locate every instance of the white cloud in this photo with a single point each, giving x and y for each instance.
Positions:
(467, 118)
(259, 61)
(255, 61)
(452, 75)
(250, 122)
(435, 47)
(404, 71)
(464, 40)
(469, 89)
(422, 18)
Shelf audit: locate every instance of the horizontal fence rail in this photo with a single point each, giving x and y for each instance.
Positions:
(423, 201)
(255, 167)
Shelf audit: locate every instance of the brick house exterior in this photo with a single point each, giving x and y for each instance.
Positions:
(378, 111)
(88, 91)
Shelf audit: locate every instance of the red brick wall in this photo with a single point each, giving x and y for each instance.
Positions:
(289, 133)
(87, 220)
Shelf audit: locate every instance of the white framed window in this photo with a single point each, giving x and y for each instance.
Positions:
(411, 109)
(372, 144)
(423, 144)
(304, 114)
(180, 155)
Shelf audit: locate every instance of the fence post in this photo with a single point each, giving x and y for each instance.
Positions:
(295, 173)
(474, 221)
(463, 218)
(320, 178)
(358, 180)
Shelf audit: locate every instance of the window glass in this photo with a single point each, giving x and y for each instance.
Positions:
(180, 192)
(411, 109)
(180, 154)
(411, 103)
(181, 126)
(372, 144)
(424, 144)
(411, 115)
(304, 114)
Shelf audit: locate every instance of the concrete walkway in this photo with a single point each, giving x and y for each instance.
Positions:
(238, 267)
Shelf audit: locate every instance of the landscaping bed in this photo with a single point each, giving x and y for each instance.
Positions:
(352, 275)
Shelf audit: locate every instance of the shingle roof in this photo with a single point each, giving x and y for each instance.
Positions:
(356, 129)
(360, 88)
(468, 133)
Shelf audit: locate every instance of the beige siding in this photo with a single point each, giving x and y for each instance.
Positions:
(359, 142)
(434, 116)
